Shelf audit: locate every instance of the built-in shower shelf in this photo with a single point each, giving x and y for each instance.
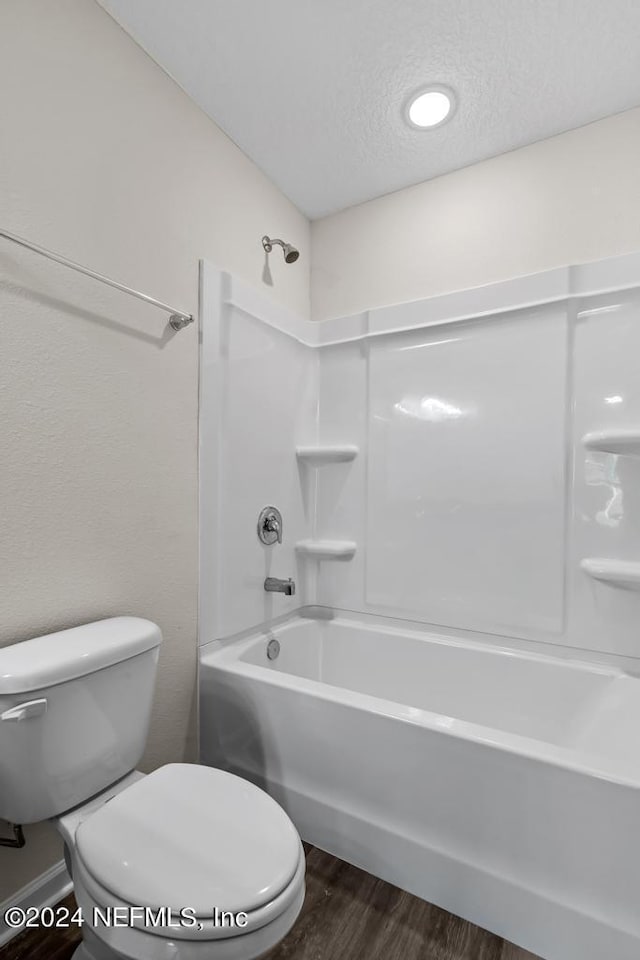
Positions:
(624, 442)
(624, 573)
(327, 549)
(318, 455)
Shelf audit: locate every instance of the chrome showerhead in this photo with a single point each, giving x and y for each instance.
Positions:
(290, 252)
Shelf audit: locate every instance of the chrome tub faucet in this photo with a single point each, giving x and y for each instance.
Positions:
(275, 585)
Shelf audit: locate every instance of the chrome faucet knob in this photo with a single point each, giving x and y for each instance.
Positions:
(270, 526)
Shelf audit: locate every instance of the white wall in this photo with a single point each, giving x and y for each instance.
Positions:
(570, 199)
(104, 159)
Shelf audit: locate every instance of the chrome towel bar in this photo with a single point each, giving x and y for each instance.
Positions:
(177, 319)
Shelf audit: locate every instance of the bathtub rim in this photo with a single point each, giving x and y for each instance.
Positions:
(225, 655)
(540, 647)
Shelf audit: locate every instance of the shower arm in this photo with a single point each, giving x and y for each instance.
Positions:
(268, 243)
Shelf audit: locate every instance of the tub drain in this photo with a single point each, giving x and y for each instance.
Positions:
(273, 648)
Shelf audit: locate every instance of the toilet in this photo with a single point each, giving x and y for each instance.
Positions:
(185, 863)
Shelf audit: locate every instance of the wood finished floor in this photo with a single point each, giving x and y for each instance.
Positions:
(347, 915)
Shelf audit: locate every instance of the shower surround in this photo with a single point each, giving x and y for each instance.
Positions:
(461, 472)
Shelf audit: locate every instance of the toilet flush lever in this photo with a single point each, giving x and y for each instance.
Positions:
(23, 711)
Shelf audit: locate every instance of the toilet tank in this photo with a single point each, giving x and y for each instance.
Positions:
(74, 714)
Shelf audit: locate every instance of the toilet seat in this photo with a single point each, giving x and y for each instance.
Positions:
(257, 920)
(134, 942)
(192, 837)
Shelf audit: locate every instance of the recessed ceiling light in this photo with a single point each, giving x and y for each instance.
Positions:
(430, 107)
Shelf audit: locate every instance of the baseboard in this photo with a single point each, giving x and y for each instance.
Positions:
(44, 891)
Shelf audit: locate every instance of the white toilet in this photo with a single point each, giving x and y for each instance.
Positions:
(186, 863)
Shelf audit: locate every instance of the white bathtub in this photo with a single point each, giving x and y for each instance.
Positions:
(501, 785)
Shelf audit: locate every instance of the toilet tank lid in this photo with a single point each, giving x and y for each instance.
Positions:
(69, 654)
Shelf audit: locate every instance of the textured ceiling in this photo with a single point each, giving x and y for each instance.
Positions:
(313, 90)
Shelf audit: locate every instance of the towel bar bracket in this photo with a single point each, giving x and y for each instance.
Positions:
(177, 321)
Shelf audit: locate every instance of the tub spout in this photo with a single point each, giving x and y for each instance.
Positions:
(274, 585)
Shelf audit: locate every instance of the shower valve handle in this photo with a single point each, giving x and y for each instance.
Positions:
(270, 526)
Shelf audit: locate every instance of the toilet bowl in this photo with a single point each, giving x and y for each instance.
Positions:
(185, 863)
(188, 862)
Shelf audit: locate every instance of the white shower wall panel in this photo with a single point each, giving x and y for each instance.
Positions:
(605, 517)
(270, 393)
(465, 491)
(473, 502)
(458, 501)
(340, 511)
(258, 400)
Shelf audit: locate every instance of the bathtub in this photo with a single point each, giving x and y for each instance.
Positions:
(500, 784)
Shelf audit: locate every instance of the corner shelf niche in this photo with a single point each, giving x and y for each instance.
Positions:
(622, 573)
(326, 549)
(623, 442)
(319, 454)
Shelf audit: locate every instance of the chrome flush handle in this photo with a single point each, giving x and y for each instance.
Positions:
(23, 711)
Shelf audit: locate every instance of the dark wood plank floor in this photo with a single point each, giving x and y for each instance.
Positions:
(347, 915)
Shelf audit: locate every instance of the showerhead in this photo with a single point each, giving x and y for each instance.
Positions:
(290, 253)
